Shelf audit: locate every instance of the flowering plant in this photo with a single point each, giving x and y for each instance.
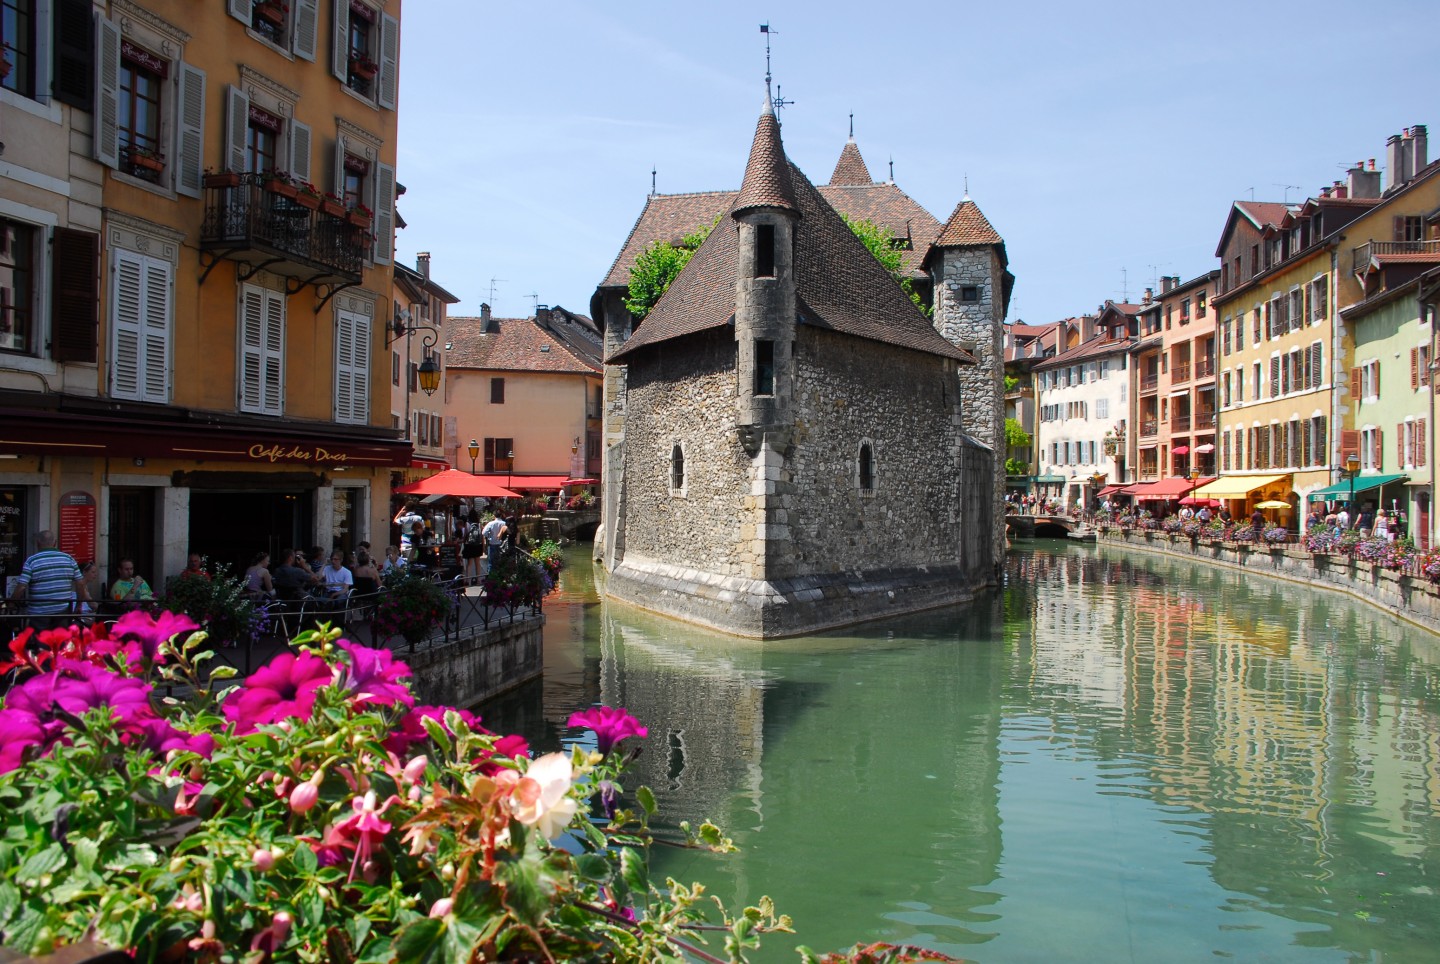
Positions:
(1192, 527)
(1275, 534)
(1243, 533)
(1430, 565)
(516, 580)
(581, 501)
(219, 603)
(411, 606)
(1171, 524)
(548, 552)
(1322, 538)
(308, 189)
(315, 813)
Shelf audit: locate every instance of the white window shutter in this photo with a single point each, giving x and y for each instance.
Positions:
(389, 60)
(340, 42)
(191, 137)
(360, 376)
(157, 331)
(241, 10)
(338, 180)
(127, 296)
(42, 58)
(237, 127)
(252, 348)
(343, 363)
(307, 28)
(273, 399)
(107, 93)
(384, 208)
(300, 150)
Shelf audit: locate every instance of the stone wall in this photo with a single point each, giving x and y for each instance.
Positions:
(1414, 600)
(977, 327)
(466, 671)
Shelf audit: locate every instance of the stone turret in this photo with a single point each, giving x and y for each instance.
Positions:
(972, 294)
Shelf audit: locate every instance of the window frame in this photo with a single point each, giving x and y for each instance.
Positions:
(497, 391)
(866, 469)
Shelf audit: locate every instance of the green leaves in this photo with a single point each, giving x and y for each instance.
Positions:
(657, 268)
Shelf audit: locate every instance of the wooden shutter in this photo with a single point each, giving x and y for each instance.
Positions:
(1377, 451)
(237, 127)
(1305, 318)
(156, 356)
(340, 42)
(127, 333)
(74, 53)
(1375, 376)
(240, 10)
(352, 367)
(384, 213)
(190, 139)
(74, 307)
(300, 142)
(1354, 383)
(262, 334)
(1402, 438)
(389, 61)
(1275, 376)
(338, 175)
(1420, 429)
(1398, 223)
(107, 93)
(1317, 364)
(307, 29)
(1414, 368)
(1349, 443)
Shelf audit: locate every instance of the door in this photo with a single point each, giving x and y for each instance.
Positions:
(133, 534)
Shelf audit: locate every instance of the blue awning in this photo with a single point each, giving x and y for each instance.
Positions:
(1363, 483)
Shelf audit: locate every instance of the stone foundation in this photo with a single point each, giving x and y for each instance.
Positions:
(785, 607)
(467, 671)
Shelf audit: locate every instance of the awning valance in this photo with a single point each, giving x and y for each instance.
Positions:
(1363, 483)
(458, 483)
(1049, 478)
(1235, 486)
(1110, 490)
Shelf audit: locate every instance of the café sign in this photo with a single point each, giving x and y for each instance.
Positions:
(296, 453)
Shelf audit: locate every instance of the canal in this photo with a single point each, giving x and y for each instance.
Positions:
(1117, 756)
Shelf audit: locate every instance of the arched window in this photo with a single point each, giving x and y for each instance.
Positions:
(677, 468)
(867, 468)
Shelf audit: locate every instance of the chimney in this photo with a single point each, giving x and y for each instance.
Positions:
(1416, 159)
(1166, 283)
(1362, 182)
(1395, 160)
(1149, 295)
(1337, 190)
(487, 324)
(422, 264)
(542, 315)
(1324, 192)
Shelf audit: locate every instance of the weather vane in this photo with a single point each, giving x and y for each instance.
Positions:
(779, 100)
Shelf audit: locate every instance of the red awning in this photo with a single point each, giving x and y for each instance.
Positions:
(458, 483)
(1163, 490)
(1180, 450)
(547, 482)
(582, 481)
(1111, 490)
(438, 465)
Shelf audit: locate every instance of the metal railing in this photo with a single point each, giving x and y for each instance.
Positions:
(1362, 255)
(1149, 383)
(1149, 427)
(1180, 372)
(1180, 423)
(1205, 368)
(1204, 420)
(249, 216)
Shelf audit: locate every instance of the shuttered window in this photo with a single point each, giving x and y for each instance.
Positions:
(352, 367)
(140, 299)
(74, 319)
(262, 351)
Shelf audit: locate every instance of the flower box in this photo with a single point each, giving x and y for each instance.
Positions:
(271, 12)
(359, 219)
(144, 161)
(222, 179)
(309, 201)
(332, 207)
(363, 68)
(283, 188)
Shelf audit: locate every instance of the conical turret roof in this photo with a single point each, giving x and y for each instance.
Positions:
(967, 226)
(767, 174)
(850, 170)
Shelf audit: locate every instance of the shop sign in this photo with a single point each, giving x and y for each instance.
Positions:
(261, 452)
(77, 525)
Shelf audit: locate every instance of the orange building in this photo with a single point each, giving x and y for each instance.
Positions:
(206, 375)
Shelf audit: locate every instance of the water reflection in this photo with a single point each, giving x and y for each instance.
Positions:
(1115, 754)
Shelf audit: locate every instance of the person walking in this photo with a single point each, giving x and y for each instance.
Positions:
(50, 581)
(494, 535)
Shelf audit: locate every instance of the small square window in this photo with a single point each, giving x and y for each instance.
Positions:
(969, 294)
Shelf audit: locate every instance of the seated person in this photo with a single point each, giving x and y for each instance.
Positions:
(337, 580)
(394, 561)
(129, 589)
(195, 566)
(367, 577)
(258, 581)
(290, 580)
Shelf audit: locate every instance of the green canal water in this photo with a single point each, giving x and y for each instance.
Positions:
(1116, 757)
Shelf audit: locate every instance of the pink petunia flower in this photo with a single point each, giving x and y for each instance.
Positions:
(150, 631)
(411, 729)
(159, 737)
(374, 675)
(19, 731)
(611, 725)
(511, 747)
(283, 688)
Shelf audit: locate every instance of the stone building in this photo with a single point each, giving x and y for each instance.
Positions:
(786, 445)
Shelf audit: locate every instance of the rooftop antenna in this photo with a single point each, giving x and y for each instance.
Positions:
(967, 188)
(778, 101)
(534, 302)
(492, 289)
(1252, 193)
(1125, 285)
(1288, 188)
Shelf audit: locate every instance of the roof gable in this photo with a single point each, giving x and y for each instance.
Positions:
(516, 345)
(850, 169)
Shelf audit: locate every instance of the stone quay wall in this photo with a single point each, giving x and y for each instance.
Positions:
(1414, 600)
(468, 670)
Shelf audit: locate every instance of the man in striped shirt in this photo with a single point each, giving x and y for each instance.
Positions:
(50, 581)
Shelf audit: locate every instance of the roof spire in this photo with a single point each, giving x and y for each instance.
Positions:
(852, 125)
(967, 188)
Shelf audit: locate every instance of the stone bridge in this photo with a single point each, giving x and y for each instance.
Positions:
(1024, 526)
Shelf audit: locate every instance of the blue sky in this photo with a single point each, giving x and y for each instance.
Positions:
(1104, 141)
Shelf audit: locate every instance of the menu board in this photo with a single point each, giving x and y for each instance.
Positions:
(77, 526)
(12, 534)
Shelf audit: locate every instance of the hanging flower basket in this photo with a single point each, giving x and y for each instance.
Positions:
(271, 12)
(222, 179)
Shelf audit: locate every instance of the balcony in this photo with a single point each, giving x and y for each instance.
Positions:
(1179, 372)
(1180, 423)
(261, 230)
(1204, 421)
(1149, 383)
(1365, 253)
(1149, 427)
(1205, 368)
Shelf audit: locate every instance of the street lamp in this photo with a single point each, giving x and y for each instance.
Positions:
(1352, 468)
(429, 371)
(509, 466)
(474, 450)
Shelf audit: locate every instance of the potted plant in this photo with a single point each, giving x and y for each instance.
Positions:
(363, 67)
(217, 602)
(307, 195)
(280, 183)
(144, 158)
(272, 11)
(410, 608)
(222, 178)
(332, 205)
(360, 216)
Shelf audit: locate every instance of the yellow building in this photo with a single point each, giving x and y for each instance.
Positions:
(1285, 355)
(206, 376)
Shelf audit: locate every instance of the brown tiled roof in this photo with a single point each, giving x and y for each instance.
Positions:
(888, 207)
(1262, 213)
(839, 285)
(1093, 348)
(850, 170)
(520, 345)
(666, 217)
(967, 226)
(767, 174)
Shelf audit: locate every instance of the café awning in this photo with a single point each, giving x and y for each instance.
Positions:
(548, 483)
(1180, 450)
(1235, 486)
(1162, 490)
(458, 483)
(1110, 490)
(1363, 483)
(1048, 478)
